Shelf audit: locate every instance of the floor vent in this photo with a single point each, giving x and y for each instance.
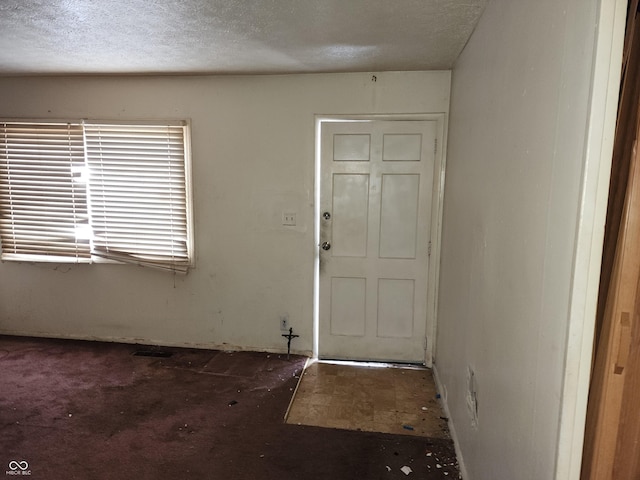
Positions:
(152, 353)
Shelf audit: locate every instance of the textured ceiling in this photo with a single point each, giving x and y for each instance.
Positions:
(231, 36)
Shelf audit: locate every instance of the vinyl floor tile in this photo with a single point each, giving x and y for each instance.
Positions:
(388, 400)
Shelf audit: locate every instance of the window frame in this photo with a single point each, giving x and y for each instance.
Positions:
(93, 256)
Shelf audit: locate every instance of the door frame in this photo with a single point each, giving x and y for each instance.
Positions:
(437, 201)
(587, 260)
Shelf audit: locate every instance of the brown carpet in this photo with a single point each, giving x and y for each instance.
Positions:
(88, 410)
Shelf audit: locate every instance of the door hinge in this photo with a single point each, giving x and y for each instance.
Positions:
(429, 249)
(425, 344)
(435, 146)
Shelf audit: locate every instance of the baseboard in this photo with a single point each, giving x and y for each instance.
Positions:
(452, 429)
(159, 343)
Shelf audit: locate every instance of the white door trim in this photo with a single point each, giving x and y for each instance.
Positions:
(436, 219)
(603, 105)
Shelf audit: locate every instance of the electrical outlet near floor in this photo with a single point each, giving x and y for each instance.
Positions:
(289, 219)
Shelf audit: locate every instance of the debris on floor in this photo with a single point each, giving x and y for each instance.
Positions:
(406, 470)
(68, 400)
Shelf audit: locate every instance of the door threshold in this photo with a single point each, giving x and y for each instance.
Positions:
(368, 363)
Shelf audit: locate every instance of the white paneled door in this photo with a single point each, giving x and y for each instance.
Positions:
(376, 189)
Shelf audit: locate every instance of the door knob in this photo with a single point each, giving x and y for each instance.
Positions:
(326, 215)
(326, 245)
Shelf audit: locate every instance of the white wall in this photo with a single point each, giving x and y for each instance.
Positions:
(253, 158)
(515, 165)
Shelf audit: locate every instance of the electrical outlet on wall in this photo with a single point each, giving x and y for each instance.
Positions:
(289, 219)
(284, 323)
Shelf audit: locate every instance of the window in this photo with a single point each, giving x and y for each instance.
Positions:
(86, 192)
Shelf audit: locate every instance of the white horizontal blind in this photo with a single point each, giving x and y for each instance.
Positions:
(137, 194)
(43, 208)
